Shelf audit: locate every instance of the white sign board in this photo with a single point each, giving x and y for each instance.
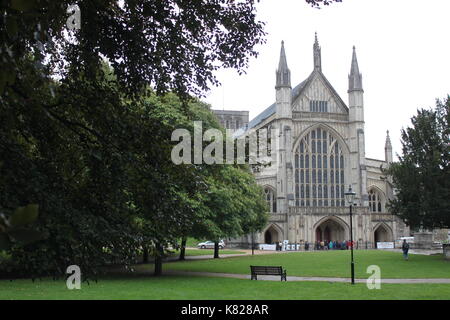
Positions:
(385, 245)
(268, 247)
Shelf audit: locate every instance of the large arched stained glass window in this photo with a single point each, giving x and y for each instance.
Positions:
(271, 199)
(319, 171)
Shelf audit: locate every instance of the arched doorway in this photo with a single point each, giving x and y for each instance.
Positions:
(382, 234)
(331, 230)
(271, 235)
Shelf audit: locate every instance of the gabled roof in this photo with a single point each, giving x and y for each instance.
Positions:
(326, 82)
(295, 93)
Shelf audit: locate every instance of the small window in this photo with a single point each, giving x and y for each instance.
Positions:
(318, 106)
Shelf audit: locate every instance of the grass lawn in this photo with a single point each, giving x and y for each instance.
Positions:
(327, 264)
(205, 288)
(331, 264)
(206, 252)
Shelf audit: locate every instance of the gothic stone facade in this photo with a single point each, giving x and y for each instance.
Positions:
(321, 151)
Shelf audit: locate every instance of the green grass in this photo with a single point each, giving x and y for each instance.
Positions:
(207, 252)
(204, 288)
(328, 264)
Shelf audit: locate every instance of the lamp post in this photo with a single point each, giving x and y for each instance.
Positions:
(291, 204)
(349, 197)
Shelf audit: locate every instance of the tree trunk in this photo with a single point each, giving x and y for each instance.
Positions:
(216, 250)
(158, 260)
(183, 248)
(253, 244)
(145, 254)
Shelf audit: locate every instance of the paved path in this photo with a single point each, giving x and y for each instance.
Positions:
(295, 278)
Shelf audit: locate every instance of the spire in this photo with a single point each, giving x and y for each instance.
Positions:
(388, 148)
(317, 58)
(388, 144)
(283, 74)
(354, 78)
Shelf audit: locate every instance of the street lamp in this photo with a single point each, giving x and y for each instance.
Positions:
(349, 197)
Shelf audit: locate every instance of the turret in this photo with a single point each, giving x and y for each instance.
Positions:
(283, 74)
(355, 91)
(356, 134)
(283, 87)
(283, 122)
(354, 78)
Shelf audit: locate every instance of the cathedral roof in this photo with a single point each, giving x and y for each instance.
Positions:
(295, 93)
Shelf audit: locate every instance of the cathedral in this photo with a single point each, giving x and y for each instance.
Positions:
(321, 152)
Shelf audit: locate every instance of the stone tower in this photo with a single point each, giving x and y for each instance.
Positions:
(283, 123)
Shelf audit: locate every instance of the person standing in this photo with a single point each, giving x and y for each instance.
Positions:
(405, 249)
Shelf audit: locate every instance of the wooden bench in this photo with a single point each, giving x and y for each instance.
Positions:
(267, 270)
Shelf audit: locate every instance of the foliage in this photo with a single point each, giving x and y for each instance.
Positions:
(15, 229)
(421, 177)
(90, 144)
(133, 36)
(318, 3)
(103, 175)
(64, 152)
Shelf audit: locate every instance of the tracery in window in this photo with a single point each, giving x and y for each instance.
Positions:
(319, 170)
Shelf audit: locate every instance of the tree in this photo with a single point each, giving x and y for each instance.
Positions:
(81, 141)
(60, 152)
(421, 177)
(232, 206)
(133, 35)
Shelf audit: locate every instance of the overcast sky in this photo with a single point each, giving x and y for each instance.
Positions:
(403, 52)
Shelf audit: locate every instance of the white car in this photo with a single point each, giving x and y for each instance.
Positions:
(210, 245)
